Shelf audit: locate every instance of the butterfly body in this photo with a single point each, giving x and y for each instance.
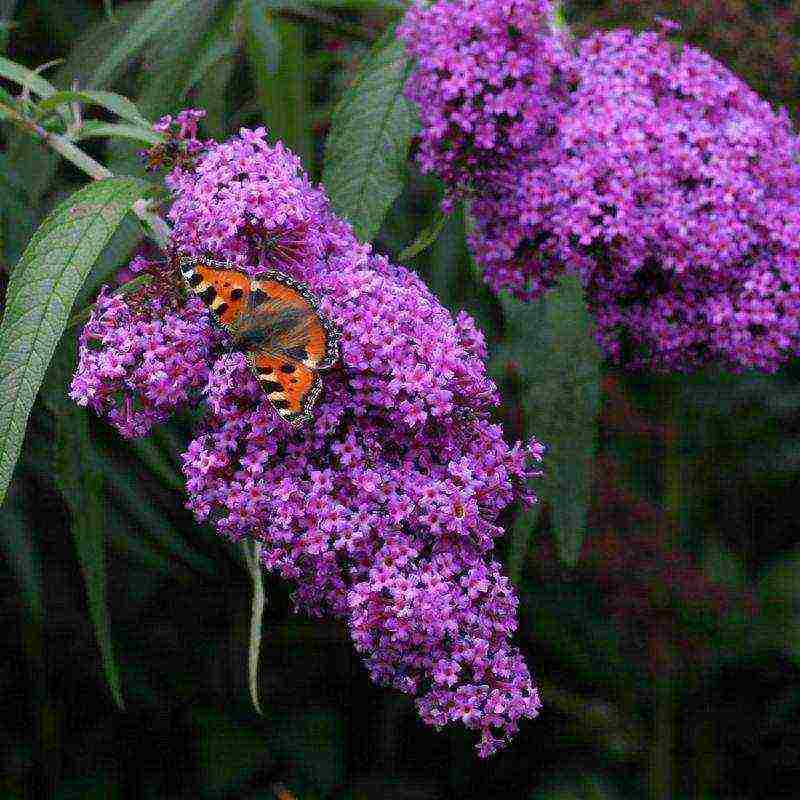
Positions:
(275, 321)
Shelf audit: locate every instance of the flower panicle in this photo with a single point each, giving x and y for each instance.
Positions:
(383, 511)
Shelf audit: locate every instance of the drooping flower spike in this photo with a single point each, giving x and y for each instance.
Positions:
(382, 510)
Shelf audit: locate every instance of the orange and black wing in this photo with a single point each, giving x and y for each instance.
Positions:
(287, 338)
(291, 387)
(224, 290)
(310, 338)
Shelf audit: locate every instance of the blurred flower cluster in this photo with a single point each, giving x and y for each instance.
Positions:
(383, 511)
(658, 176)
(757, 40)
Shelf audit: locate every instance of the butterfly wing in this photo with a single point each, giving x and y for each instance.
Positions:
(276, 321)
(300, 342)
(307, 336)
(291, 387)
(224, 290)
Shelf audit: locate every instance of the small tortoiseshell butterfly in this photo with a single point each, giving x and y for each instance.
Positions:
(275, 321)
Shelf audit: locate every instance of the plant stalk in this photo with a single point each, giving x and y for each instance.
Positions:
(253, 560)
(155, 225)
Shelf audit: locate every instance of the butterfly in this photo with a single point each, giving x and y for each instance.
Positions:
(276, 322)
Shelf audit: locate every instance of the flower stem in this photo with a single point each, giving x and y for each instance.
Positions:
(253, 560)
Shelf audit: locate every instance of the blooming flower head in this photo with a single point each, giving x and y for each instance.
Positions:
(383, 511)
(674, 191)
(250, 203)
(761, 47)
(142, 356)
(681, 207)
(180, 145)
(512, 237)
(488, 77)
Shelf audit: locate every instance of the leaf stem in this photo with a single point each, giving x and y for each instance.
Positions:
(155, 225)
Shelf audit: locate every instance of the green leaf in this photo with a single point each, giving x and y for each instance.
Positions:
(26, 77)
(89, 49)
(112, 101)
(41, 292)
(81, 485)
(8, 105)
(276, 52)
(559, 363)
(425, 238)
(94, 130)
(219, 47)
(213, 95)
(371, 130)
(172, 55)
(152, 20)
(211, 69)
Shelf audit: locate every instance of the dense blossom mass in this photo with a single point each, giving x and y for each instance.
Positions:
(383, 511)
(757, 41)
(663, 180)
(490, 76)
(142, 357)
(679, 202)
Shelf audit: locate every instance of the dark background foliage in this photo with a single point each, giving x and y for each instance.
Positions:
(668, 657)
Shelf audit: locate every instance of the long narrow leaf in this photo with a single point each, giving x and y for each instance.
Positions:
(81, 484)
(111, 101)
(172, 55)
(114, 130)
(157, 15)
(371, 130)
(219, 47)
(90, 49)
(276, 52)
(40, 295)
(25, 77)
(425, 238)
(560, 368)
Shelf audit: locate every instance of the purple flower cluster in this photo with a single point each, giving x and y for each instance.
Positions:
(180, 146)
(250, 203)
(668, 185)
(489, 76)
(384, 510)
(679, 202)
(512, 237)
(143, 356)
